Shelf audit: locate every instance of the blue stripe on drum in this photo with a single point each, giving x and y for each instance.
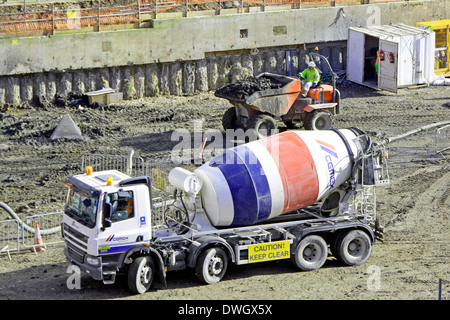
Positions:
(270, 170)
(248, 185)
(260, 182)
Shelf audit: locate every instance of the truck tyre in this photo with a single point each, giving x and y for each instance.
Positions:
(140, 274)
(229, 119)
(318, 120)
(352, 248)
(310, 253)
(264, 125)
(211, 265)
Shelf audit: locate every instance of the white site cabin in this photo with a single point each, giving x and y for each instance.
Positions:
(408, 56)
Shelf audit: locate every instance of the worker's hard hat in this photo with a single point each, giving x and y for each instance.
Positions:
(312, 64)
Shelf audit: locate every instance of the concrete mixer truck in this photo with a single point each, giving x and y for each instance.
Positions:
(292, 196)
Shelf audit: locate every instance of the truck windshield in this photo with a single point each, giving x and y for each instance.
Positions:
(82, 206)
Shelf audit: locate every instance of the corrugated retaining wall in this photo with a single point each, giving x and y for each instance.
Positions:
(188, 55)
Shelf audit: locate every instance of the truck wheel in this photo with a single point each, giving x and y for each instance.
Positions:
(211, 265)
(318, 120)
(264, 125)
(311, 253)
(353, 248)
(140, 274)
(229, 119)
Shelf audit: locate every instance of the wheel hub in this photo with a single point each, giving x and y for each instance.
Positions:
(215, 265)
(145, 274)
(310, 253)
(354, 247)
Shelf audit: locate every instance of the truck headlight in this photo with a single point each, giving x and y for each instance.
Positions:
(93, 261)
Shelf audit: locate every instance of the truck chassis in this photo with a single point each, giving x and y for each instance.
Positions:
(185, 238)
(305, 242)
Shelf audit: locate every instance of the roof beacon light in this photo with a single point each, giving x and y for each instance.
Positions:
(89, 170)
(109, 181)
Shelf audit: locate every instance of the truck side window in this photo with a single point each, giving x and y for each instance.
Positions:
(122, 208)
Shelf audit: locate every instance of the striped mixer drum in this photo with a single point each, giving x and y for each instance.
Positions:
(281, 173)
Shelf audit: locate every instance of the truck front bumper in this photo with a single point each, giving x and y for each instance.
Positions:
(78, 258)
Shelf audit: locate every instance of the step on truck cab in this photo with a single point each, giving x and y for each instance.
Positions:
(114, 224)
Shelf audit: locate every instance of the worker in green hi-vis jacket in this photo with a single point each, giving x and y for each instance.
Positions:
(310, 78)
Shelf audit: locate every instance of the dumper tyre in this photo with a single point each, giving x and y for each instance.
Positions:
(211, 265)
(141, 274)
(310, 253)
(353, 247)
(229, 119)
(263, 124)
(318, 120)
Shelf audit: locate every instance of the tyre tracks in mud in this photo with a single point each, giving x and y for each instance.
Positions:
(412, 207)
(420, 198)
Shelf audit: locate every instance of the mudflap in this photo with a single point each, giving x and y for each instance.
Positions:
(331, 107)
(195, 249)
(161, 270)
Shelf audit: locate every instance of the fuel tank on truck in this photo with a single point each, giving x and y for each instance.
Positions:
(266, 178)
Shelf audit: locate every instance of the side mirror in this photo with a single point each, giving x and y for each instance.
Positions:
(107, 208)
(106, 224)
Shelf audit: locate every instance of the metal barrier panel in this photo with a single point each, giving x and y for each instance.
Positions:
(130, 164)
(49, 227)
(135, 166)
(159, 173)
(9, 236)
(442, 141)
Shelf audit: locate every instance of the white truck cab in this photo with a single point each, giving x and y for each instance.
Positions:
(106, 214)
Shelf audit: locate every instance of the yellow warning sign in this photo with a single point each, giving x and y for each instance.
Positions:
(269, 251)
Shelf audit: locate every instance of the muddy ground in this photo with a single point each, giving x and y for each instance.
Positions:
(414, 208)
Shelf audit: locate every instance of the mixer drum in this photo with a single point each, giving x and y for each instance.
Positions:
(263, 179)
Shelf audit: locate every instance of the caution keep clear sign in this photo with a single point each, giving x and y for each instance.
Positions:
(269, 251)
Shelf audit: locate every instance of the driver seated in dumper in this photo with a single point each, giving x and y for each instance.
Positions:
(310, 78)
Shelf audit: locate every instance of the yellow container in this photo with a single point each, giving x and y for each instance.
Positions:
(442, 45)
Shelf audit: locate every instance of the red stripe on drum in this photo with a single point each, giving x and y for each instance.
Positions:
(296, 168)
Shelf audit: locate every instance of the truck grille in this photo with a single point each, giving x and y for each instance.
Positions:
(75, 254)
(75, 236)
